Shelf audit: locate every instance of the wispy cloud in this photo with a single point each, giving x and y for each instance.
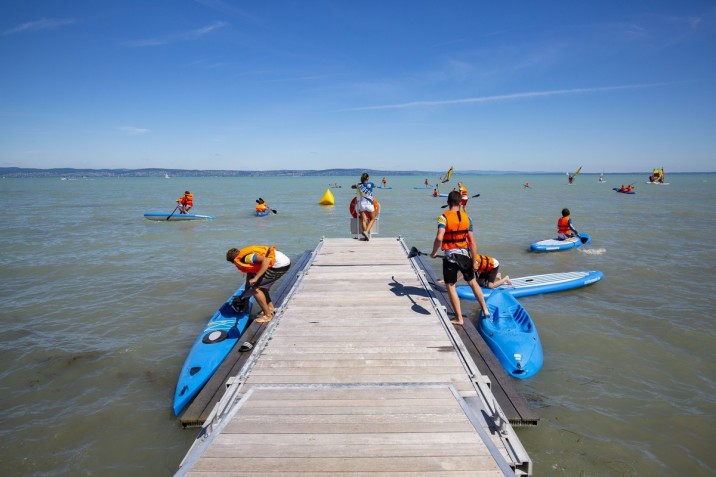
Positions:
(39, 25)
(176, 37)
(500, 97)
(133, 131)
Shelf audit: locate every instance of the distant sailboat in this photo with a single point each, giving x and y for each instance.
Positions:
(601, 177)
(166, 176)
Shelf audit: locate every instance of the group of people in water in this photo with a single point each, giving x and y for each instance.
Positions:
(657, 175)
(627, 188)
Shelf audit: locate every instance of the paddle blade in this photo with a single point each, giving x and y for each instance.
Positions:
(414, 252)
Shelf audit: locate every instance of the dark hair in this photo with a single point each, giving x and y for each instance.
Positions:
(364, 177)
(232, 254)
(454, 198)
(187, 192)
(565, 212)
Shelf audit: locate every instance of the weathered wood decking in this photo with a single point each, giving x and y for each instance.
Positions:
(359, 373)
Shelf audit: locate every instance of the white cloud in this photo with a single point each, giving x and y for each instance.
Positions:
(134, 131)
(38, 25)
(176, 37)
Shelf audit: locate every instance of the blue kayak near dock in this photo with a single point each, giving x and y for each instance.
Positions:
(511, 335)
(210, 349)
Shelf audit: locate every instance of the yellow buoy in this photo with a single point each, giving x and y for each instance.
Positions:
(327, 198)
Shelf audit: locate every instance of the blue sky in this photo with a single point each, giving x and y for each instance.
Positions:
(619, 86)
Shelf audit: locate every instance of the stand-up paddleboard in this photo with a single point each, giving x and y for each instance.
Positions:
(159, 216)
(551, 245)
(442, 195)
(657, 183)
(381, 187)
(210, 349)
(511, 335)
(536, 284)
(617, 189)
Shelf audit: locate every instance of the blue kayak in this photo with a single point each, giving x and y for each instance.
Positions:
(263, 213)
(512, 336)
(209, 350)
(162, 216)
(616, 189)
(537, 284)
(551, 245)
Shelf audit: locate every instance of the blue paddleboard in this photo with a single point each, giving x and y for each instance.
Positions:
(159, 216)
(551, 245)
(536, 284)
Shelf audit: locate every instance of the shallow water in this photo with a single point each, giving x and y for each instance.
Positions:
(100, 307)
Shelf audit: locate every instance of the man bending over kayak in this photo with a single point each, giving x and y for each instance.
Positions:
(263, 266)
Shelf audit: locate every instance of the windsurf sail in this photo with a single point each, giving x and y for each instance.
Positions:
(577, 172)
(447, 176)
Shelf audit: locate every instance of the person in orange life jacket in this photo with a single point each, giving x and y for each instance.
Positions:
(463, 195)
(185, 202)
(263, 266)
(454, 237)
(436, 192)
(261, 206)
(630, 188)
(365, 207)
(488, 275)
(565, 229)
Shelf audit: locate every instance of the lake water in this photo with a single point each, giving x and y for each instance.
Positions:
(101, 306)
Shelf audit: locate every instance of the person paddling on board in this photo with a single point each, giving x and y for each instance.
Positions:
(385, 182)
(186, 202)
(263, 265)
(365, 207)
(455, 238)
(436, 192)
(565, 229)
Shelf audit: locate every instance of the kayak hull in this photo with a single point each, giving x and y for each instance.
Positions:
(553, 245)
(623, 191)
(512, 336)
(262, 213)
(209, 350)
(161, 216)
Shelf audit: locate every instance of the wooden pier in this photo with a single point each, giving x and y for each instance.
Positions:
(359, 373)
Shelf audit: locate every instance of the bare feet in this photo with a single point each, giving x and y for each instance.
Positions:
(365, 236)
(456, 322)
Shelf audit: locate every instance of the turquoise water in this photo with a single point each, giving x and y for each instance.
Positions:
(100, 307)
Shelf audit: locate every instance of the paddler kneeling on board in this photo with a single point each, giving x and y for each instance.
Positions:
(565, 229)
(186, 202)
(263, 266)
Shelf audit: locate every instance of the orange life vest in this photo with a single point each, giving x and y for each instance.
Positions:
(260, 207)
(463, 193)
(187, 199)
(485, 263)
(563, 226)
(457, 226)
(263, 250)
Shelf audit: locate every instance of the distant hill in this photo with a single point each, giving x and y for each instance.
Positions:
(158, 172)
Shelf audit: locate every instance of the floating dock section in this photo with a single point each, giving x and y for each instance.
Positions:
(359, 373)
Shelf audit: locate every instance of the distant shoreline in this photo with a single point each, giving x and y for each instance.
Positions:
(20, 172)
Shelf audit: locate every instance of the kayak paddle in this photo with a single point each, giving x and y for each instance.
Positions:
(476, 195)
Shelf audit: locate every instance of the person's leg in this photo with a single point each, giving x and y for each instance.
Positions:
(371, 217)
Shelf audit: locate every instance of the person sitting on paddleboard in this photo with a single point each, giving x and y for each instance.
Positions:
(565, 229)
(365, 208)
(263, 265)
(186, 202)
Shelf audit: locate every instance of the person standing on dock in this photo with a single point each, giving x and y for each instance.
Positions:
(456, 240)
(365, 206)
(263, 266)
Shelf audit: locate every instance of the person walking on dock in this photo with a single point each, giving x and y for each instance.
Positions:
(263, 266)
(455, 238)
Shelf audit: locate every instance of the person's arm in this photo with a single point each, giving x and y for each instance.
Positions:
(265, 265)
(571, 227)
(438, 240)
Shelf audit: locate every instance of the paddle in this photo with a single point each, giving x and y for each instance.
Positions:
(261, 201)
(414, 252)
(170, 215)
(476, 195)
